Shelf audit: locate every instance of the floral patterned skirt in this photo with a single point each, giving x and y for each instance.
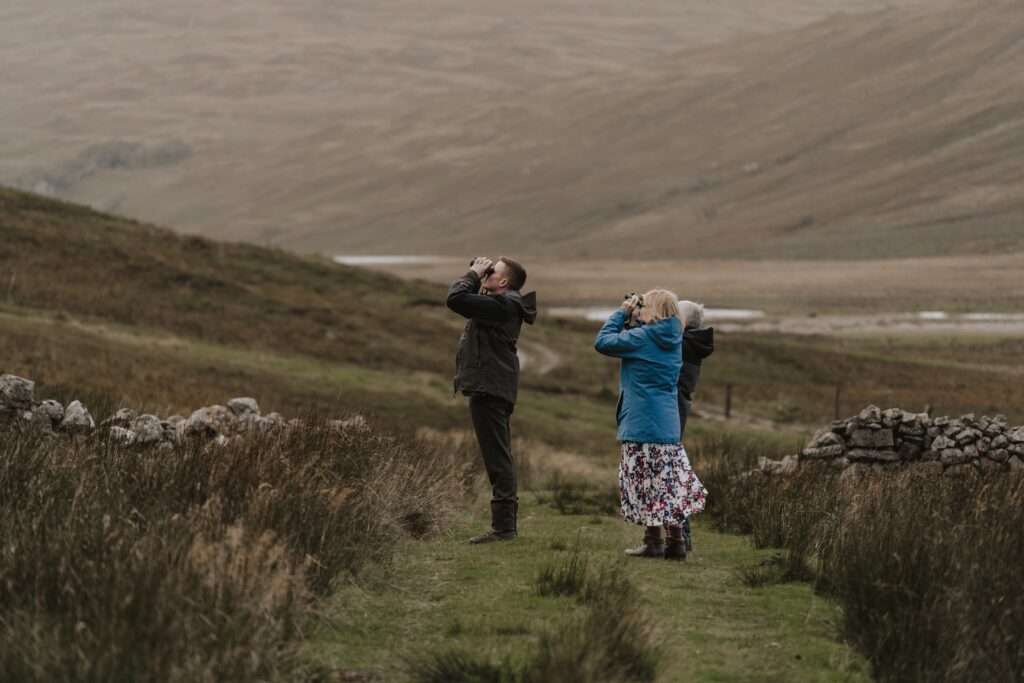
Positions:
(657, 484)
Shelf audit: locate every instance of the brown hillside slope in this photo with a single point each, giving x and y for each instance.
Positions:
(899, 133)
(257, 119)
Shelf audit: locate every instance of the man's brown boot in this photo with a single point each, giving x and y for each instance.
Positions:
(652, 546)
(675, 549)
(492, 536)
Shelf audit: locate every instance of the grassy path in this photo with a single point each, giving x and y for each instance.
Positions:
(447, 594)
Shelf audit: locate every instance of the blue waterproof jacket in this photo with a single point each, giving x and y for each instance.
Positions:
(648, 409)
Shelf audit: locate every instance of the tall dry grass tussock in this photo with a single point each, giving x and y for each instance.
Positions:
(199, 564)
(926, 568)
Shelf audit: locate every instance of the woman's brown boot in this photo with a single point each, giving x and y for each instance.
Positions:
(675, 549)
(652, 546)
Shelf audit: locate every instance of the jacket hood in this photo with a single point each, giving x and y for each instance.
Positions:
(698, 344)
(527, 304)
(667, 333)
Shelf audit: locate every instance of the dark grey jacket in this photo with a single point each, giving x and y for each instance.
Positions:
(486, 360)
(697, 345)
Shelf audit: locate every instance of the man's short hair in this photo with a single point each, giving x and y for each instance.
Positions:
(692, 313)
(516, 273)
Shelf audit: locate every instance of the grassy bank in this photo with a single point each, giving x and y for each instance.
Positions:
(203, 563)
(925, 568)
(125, 301)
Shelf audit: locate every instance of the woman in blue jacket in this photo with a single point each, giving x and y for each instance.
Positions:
(657, 485)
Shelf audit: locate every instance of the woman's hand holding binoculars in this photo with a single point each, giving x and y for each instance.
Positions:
(632, 302)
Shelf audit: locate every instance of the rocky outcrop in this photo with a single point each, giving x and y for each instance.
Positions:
(878, 439)
(216, 423)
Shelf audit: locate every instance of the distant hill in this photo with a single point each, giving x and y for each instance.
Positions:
(898, 133)
(368, 126)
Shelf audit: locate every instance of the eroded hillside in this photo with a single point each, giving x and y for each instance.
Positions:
(370, 127)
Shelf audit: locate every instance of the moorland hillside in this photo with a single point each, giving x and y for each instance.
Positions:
(360, 126)
(891, 134)
(104, 309)
(125, 314)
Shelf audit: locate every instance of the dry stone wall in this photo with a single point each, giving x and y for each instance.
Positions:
(880, 439)
(18, 406)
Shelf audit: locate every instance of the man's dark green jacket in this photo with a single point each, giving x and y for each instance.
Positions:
(486, 360)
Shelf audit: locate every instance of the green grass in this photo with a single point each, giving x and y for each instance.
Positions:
(106, 274)
(80, 358)
(793, 379)
(484, 599)
(118, 313)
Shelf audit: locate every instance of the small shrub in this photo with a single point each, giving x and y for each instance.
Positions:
(760, 574)
(718, 459)
(456, 666)
(612, 641)
(608, 640)
(564, 578)
(575, 498)
(610, 581)
(776, 569)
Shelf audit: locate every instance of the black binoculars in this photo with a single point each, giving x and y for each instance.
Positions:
(640, 304)
(488, 272)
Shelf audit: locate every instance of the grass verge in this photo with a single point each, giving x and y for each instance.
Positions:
(450, 597)
(925, 567)
(202, 563)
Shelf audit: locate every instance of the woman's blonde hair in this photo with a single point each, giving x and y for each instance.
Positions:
(661, 303)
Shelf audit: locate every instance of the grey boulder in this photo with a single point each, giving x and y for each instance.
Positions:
(871, 414)
(823, 452)
(872, 438)
(826, 438)
(999, 454)
(50, 410)
(148, 430)
(121, 435)
(122, 418)
(953, 456)
(208, 421)
(244, 407)
(872, 455)
(77, 418)
(16, 392)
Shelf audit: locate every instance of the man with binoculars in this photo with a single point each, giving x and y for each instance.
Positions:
(487, 371)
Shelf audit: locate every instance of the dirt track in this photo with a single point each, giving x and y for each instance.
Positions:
(537, 358)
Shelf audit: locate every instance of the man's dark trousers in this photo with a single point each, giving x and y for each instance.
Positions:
(492, 422)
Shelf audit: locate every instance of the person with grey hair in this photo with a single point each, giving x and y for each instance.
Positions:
(698, 344)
